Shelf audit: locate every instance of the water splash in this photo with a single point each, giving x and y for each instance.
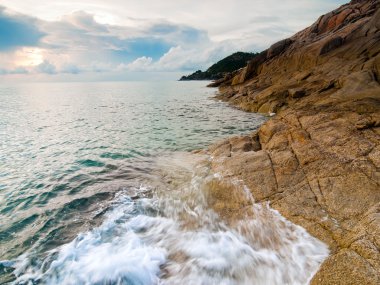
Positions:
(172, 236)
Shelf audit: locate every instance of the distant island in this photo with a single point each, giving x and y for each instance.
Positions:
(218, 70)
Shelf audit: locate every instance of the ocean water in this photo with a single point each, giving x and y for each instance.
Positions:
(98, 186)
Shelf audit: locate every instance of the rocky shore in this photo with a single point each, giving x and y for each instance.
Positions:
(317, 160)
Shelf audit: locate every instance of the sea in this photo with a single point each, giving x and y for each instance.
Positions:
(102, 183)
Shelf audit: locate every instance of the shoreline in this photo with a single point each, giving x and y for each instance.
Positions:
(317, 160)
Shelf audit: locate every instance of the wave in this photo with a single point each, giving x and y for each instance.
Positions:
(166, 234)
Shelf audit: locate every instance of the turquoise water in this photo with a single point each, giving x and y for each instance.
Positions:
(96, 177)
(62, 142)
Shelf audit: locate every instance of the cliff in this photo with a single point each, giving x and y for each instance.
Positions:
(317, 160)
(218, 70)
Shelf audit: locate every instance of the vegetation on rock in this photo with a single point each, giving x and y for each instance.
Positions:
(221, 68)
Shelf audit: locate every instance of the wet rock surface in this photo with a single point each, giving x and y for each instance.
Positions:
(318, 160)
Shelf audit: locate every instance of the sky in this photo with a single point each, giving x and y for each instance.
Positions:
(140, 39)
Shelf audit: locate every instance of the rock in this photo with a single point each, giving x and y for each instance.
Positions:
(331, 44)
(278, 48)
(227, 77)
(346, 268)
(317, 161)
(296, 93)
(256, 146)
(376, 20)
(222, 148)
(243, 144)
(251, 69)
(302, 75)
(225, 198)
(257, 172)
(374, 156)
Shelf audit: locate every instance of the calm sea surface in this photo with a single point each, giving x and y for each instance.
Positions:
(95, 179)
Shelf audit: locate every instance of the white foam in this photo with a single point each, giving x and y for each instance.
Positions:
(235, 257)
(132, 247)
(111, 253)
(7, 263)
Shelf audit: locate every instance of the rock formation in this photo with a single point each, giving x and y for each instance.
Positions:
(317, 160)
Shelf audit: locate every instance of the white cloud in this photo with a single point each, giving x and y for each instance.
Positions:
(217, 17)
(98, 36)
(141, 64)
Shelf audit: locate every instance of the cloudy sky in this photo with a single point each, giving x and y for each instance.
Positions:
(134, 39)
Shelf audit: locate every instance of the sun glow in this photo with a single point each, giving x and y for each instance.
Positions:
(29, 57)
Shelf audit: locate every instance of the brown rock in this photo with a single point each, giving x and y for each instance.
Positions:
(346, 268)
(318, 160)
(331, 44)
(279, 48)
(251, 69)
(241, 144)
(296, 93)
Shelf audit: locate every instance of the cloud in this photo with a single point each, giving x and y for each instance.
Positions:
(17, 31)
(179, 34)
(70, 68)
(84, 21)
(140, 64)
(78, 44)
(101, 47)
(129, 49)
(106, 37)
(184, 59)
(46, 67)
(17, 70)
(78, 38)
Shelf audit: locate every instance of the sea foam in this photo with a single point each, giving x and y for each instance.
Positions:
(174, 239)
